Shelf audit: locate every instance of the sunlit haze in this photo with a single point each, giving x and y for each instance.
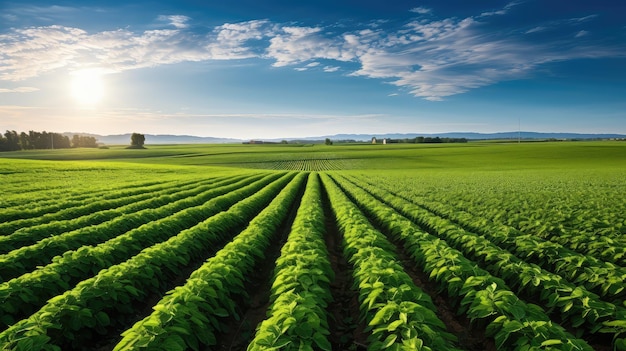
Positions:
(87, 86)
(275, 69)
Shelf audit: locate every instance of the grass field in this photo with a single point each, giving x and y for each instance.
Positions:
(476, 155)
(477, 246)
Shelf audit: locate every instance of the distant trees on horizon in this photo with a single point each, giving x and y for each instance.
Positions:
(12, 141)
(137, 140)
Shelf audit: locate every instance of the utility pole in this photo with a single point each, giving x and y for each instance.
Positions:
(519, 130)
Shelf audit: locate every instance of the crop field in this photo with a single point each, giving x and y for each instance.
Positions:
(480, 246)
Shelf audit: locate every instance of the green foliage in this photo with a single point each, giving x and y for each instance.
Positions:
(491, 224)
(300, 293)
(191, 314)
(484, 298)
(137, 140)
(119, 286)
(397, 312)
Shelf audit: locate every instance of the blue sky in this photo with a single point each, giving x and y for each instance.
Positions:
(283, 69)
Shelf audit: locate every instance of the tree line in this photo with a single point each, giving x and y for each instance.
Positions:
(428, 140)
(12, 141)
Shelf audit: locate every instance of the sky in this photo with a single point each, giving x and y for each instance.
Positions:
(252, 69)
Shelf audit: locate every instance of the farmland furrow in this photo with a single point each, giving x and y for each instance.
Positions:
(120, 199)
(578, 307)
(348, 329)
(300, 292)
(30, 235)
(31, 290)
(48, 194)
(50, 205)
(251, 307)
(603, 278)
(470, 336)
(192, 314)
(25, 258)
(485, 298)
(397, 311)
(587, 227)
(75, 318)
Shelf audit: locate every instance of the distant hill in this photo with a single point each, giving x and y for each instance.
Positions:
(473, 136)
(124, 139)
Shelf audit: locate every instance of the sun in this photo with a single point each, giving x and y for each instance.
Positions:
(87, 87)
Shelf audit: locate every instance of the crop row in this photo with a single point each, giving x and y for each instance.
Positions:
(300, 293)
(76, 317)
(85, 296)
(482, 296)
(22, 295)
(191, 314)
(31, 234)
(47, 185)
(307, 165)
(584, 216)
(119, 198)
(399, 315)
(36, 209)
(602, 277)
(578, 305)
(25, 258)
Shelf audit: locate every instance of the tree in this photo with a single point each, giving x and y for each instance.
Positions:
(84, 141)
(11, 141)
(137, 140)
(328, 142)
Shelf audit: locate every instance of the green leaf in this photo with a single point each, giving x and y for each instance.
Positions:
(390, 340)
(103, 319)
(322, 342)
(304, 330)
(394, 325)
(221, 312)
(551, 342)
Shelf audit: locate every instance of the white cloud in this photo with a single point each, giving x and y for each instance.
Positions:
(297, 44)
(231, 39)
(536, 30)
(582, 33)
(420, 10)
(19, 90)
(431, 59)
(178, 21)
(584, 19)
(502, 11)
(33, 51)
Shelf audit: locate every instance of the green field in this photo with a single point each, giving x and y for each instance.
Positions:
(477, 246)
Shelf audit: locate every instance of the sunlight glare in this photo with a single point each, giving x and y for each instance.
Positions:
(87, 86)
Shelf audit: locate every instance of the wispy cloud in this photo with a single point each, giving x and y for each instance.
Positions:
(582, 33)
(420, 10)
(293, 45)
(502, 11)
(431, 59)
(536, 29)
(307, 66)
(559, 24)
(19, 90)
(30, 52)
(177, 21)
